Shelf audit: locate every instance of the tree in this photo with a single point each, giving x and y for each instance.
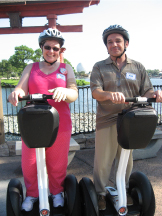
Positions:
(17, 62)
(67, 62)
(154, 72)
(22, 56)
(2, 66)
(6, 68)
(37, 55)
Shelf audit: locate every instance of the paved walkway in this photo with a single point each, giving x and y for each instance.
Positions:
(82, 165)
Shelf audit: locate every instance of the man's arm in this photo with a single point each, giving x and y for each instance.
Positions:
(115, 97)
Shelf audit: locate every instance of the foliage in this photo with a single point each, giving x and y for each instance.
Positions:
(22, 56)
(5, 67)
(67, 62)
(9, 82)
(37, 57)
(154, 72)
(17, 62)
(81, 82)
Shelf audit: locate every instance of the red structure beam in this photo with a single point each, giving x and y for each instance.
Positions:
(45, 12)
(38, 29)
(42, 9)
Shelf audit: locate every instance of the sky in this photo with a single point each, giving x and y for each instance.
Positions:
(141, 18)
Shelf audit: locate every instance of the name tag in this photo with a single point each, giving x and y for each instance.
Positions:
(61, 76)
(131, 76)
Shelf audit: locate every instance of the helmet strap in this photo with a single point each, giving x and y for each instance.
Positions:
(121, 54)
(50, 62)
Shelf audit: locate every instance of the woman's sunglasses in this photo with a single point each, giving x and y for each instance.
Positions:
(56, 49)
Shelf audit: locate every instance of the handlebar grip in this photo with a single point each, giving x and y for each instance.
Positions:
(140, 99)
(151, 100)
(131, 99)
(35, 97)
(27, 97)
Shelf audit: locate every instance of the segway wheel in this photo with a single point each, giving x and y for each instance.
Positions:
(72, 196)
(141, 191)
(14, 198)
(88, 197)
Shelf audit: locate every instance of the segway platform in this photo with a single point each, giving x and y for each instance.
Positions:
(53, 211)
(133, 210)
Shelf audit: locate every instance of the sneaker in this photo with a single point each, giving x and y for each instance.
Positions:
(58, 200)
(101, 202)
(28, 203)
(129, 200)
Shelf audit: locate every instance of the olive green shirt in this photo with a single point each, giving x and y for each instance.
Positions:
(132, 80)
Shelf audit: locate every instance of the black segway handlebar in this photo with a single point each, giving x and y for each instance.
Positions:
(140, 99)
(35, 97)
(127, 99)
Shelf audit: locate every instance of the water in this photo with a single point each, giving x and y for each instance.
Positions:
(156, 81)
(83, 104)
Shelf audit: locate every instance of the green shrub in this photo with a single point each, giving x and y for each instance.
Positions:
(81, 82)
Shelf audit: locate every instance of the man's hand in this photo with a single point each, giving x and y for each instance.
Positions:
(117, 97)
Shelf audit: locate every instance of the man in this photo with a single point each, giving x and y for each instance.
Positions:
(111, 81)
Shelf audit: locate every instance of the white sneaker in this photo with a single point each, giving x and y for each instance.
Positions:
(58, 200)
(28, 203)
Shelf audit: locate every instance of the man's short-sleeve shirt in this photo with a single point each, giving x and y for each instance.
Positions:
(132, 80)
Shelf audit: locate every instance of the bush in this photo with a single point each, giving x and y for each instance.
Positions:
(81, 82)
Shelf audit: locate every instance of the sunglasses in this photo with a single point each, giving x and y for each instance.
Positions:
(56, 49)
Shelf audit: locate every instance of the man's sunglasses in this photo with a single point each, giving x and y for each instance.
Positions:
(56, 49)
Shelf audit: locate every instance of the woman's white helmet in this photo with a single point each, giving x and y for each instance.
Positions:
(51, 34)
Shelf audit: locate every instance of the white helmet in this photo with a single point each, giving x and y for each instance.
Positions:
(52, 34)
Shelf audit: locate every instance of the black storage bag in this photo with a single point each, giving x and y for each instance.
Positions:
(136, 126)
(38, 124)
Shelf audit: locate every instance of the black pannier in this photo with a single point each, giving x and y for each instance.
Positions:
(38, 124)
(136, 126)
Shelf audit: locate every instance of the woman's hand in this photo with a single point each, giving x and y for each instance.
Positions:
(13, 96)
(59, 94)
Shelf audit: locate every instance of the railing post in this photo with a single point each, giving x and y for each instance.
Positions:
(2, 134)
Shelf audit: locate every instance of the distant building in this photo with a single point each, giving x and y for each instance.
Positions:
(80, 68)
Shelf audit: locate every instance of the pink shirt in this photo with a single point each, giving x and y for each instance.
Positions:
(40, 82)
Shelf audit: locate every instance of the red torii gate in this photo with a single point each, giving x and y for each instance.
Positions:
(16, 10)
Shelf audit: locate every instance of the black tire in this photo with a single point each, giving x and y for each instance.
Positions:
(141, 190)
(72, 196)
(14, 198)
(88, 198)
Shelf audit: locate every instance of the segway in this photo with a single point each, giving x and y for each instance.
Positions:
(135, 128)
(38, 124)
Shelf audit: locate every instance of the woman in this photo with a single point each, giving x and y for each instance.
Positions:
(48, 77)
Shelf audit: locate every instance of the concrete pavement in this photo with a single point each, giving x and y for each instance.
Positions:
(82, 165)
